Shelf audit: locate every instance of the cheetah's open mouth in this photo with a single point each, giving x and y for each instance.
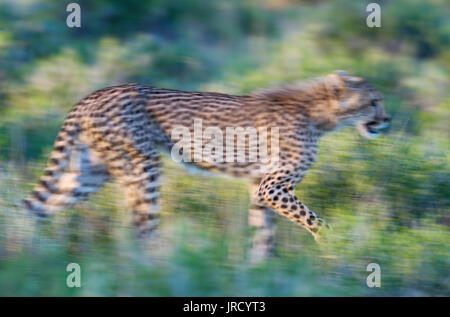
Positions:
(369, 129)
(372, 127)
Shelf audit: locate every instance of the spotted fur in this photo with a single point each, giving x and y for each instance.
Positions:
(118, 132)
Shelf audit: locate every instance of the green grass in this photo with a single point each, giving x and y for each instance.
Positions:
(202, 248)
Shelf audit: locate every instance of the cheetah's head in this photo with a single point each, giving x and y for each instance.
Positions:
(360, 105)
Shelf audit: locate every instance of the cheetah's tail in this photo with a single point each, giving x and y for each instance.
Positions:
(48, 196)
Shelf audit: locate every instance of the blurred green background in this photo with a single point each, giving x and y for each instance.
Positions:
(387, 199)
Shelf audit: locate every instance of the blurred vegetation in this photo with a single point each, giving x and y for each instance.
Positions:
(387, 198)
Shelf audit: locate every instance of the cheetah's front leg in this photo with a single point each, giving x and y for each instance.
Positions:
(276, 190)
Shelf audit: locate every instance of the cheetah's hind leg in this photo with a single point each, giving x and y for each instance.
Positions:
(137, 170)
(261, 220)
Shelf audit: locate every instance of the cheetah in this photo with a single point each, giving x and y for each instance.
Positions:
(119, 132)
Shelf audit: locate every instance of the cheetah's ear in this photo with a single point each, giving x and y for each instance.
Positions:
(340, 73)
(347, 78)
